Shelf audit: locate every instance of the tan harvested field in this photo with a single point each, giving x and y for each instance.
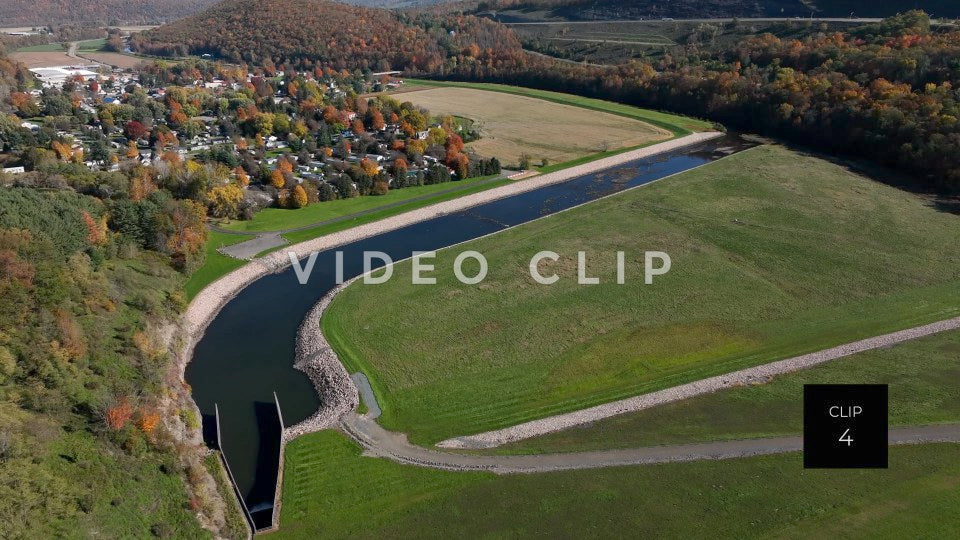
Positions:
(512, 125)
(47, 59)
(122, 61)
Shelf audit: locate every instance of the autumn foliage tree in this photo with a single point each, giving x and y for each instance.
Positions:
(298, 198)
(277, 179)
(135, 130)
(96, 229)
(119, 413)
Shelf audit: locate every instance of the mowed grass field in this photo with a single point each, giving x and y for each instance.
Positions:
(775, 254)
(331, 491)
(513, 125)
(924, 379)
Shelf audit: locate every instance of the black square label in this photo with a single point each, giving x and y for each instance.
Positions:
(844, 426)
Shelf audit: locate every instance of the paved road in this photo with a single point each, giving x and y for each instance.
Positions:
(382, 443)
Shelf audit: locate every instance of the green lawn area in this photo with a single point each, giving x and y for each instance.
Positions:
(331, 491)
(774, 254)
(215, 265)
(383, 213)
(276, 219)
(678, 125)
(91, 45)
(46, 47)
(924, 379)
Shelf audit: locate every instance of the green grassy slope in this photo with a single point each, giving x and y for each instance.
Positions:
(331, 491)
(276, 219)
(924, 379)
(215, 265)
(774, 254)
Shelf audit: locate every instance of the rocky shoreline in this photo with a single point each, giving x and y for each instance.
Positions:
(338, 394)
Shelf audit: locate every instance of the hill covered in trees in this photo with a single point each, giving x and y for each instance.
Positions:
(43, 12)
(320, 32)
(885, 91)
(516, 10)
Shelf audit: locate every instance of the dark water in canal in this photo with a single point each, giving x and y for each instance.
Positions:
(247, 352)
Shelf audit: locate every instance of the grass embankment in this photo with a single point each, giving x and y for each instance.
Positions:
(330, 490)
(278, 219)
(774, 254)
(924, 379)
(216, 264)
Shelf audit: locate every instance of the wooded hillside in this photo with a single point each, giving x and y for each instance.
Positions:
(509, 10)
(311, 32)
(43, 12)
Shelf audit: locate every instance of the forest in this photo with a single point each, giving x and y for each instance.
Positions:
(44, 12)
(508, 10)
(92, 415)
(312, 33)
(887, 92)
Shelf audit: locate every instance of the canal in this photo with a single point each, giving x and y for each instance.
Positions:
(247, 352)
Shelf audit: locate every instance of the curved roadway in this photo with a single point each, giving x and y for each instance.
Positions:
(382, 443)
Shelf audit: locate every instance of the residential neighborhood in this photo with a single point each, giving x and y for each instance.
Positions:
(261, 137)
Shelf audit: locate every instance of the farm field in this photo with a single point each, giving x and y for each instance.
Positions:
(617, 42)
(513, 125)
(122, 61)
(924, 379)
(330, 490)
(775, 254)
(46, 47)
(39, 59)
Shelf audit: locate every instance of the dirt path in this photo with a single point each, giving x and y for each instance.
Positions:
(382, 443)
